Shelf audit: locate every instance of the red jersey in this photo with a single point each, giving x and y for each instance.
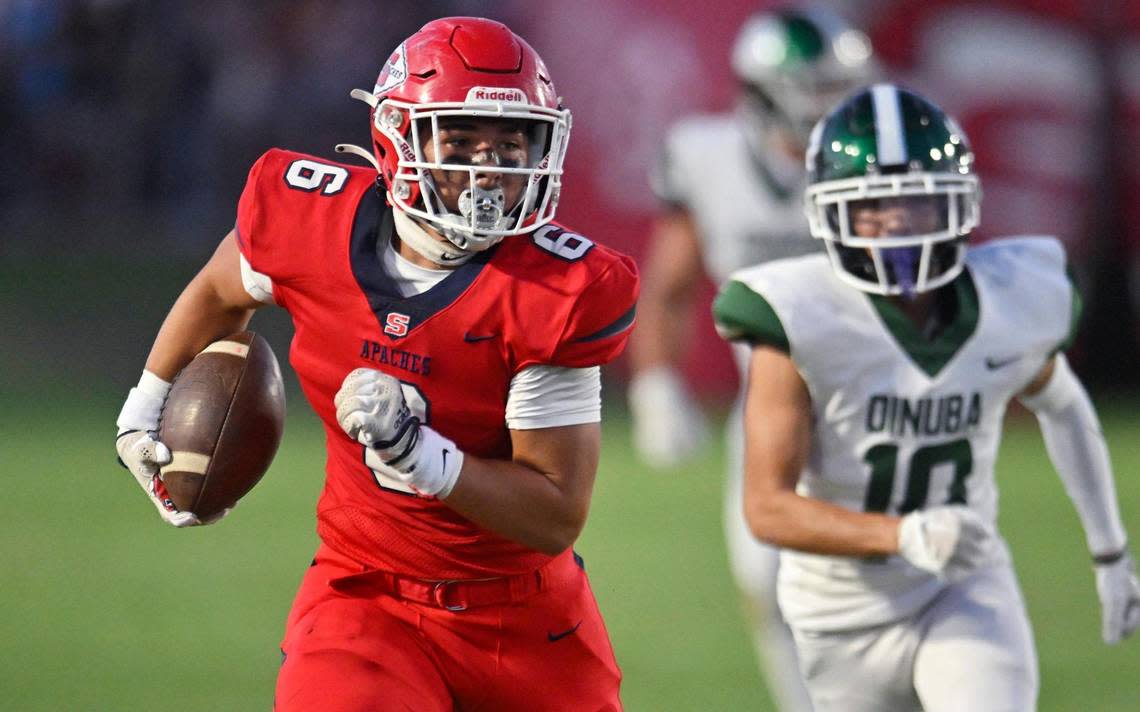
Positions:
(316, 229)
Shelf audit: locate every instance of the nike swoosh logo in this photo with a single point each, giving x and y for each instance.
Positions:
(472, 338)
(554, 637)
(994, 364)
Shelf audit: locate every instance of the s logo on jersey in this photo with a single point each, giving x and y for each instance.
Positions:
(397, 324)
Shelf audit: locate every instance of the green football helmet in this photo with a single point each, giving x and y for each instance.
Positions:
(887, 146)
(794, 64)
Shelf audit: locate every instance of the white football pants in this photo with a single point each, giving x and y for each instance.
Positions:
(970, 649)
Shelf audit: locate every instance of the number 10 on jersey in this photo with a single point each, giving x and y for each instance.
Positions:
(883, 460)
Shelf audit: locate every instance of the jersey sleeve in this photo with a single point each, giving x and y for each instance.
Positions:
(286, 213)
(250, 227)
(602, 316)
(741, 314)
(1030, 275)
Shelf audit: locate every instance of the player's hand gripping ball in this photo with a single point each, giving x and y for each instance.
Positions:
(201, 445)
(143, 456)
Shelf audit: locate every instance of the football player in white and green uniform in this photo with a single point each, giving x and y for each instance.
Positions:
(880, 374)
(730, 186)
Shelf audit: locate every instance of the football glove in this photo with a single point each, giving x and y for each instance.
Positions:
(371, 409)
(668, 426)
(141, 452)
(1119, 593)
(949, 541)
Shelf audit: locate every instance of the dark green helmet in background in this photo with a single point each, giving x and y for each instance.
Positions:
(795, 63)
(887, 142)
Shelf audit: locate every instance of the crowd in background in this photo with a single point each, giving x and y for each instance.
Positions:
(156, 105)
(130, 120)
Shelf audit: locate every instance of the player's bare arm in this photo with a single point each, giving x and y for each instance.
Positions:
(671, 274)
(777, 441)
(541, 497)
(214, 304)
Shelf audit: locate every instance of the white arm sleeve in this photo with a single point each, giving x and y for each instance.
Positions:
(553, 396)
(257, 285)
(1076, 446)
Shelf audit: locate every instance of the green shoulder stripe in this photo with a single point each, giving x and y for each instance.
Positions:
(1075, 310)
(743, 315)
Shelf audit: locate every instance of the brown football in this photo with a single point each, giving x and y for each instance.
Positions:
(222, 422)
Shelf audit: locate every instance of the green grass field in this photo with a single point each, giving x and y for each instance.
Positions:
(104, 608)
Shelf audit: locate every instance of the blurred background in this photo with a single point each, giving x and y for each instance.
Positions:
(128, 127)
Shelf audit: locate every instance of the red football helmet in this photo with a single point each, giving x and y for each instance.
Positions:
(476, 68)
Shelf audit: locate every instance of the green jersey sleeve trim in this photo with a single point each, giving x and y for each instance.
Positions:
(743, 315)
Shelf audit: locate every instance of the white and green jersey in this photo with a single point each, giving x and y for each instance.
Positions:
(900, 422)
(745, 211)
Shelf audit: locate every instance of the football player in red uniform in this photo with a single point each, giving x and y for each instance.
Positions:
(449, 336)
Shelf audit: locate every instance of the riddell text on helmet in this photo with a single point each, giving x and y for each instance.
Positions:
(506, 94)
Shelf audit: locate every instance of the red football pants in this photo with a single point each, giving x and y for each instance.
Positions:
(359, 645)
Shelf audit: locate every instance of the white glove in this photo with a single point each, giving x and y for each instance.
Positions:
(1119, 592)
(141, 452)
(949, 540)
(371, 408)
(668, 427)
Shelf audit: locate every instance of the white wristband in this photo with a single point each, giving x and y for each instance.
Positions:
(437, 465)
(152, 385)
(143, 406)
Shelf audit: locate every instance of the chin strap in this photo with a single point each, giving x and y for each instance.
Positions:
(440, 251)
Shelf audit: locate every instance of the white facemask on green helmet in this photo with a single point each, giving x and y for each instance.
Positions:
(887, 146)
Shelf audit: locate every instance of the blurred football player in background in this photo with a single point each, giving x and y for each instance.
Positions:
(449, 336)
(880, 376)
(731, 190)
